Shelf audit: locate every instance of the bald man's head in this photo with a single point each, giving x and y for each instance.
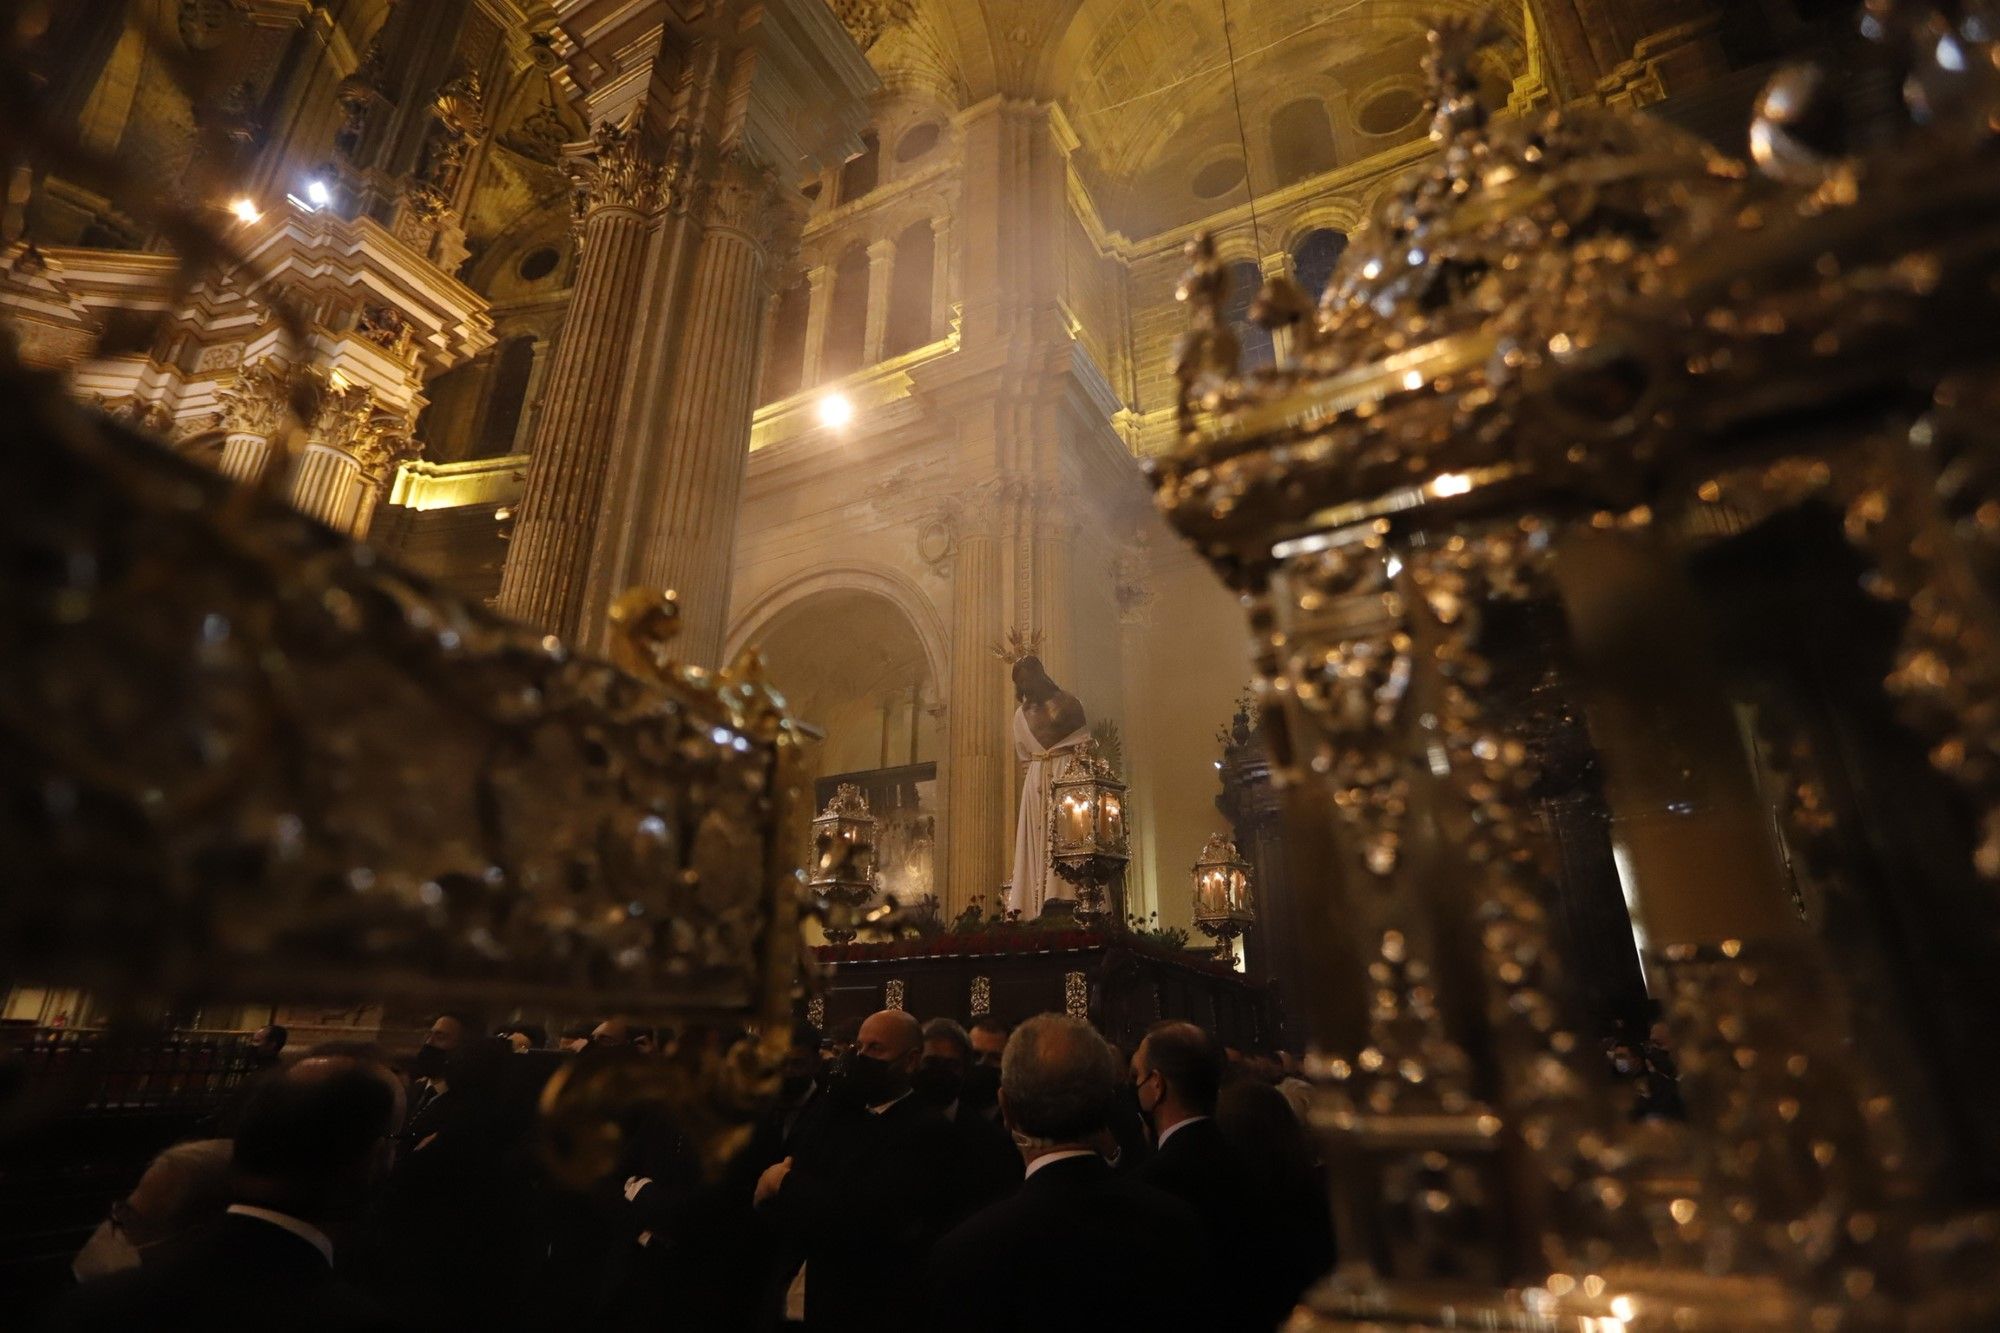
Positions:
(890, 1035)
(885, 1055)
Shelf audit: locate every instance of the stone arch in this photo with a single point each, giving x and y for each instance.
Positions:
(765, 609)
(1331, 214)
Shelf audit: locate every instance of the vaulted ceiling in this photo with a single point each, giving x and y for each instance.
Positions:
(1147, 84)
(1182, 107)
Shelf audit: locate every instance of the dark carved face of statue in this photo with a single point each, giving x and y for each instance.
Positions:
(1031, 682)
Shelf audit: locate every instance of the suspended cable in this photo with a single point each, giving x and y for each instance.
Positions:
(1242, 135)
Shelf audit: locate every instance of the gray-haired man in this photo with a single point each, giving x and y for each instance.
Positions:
(1105, 1249)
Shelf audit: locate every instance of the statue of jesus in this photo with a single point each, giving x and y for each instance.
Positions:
(1047, 721)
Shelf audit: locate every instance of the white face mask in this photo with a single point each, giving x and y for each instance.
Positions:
(106, 1252)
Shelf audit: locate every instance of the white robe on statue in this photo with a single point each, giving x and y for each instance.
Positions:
(1033, 881)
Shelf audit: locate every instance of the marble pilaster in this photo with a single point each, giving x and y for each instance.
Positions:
(940, 277)
(881, 272)
(819, 280)
(1053, 534)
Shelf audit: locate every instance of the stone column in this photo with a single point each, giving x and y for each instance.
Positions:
(940, 278)
(819, 281)
(881, 271)
(978, 843)
(244, 456)
(327, 485)
(548, 558)
(253, 410)
(689, 533)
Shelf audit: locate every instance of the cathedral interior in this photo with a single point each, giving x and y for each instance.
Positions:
(543, 506)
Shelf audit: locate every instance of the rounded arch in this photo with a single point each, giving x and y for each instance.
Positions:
(1342, 215)
(497, 274)
(765, 609)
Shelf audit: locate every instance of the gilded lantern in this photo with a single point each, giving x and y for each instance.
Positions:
(1087, 837)
(1222, 906)
(843, 861)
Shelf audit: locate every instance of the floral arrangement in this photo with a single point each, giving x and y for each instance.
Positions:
(1173, 939)
(975, 933)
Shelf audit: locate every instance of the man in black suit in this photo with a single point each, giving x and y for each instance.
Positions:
(1177, 1075)
(986, 1154)
(1077, 1249)
(870, 1171)
(313, 1148)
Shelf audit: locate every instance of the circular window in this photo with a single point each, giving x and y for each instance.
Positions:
(1390, 111)
(538, 264)
(1218, 178)
(917, 142)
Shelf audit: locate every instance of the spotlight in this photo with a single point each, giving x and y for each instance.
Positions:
(243, 209)
(835, 411)
(317, 194)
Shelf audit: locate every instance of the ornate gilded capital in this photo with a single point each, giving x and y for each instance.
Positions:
(867, 20)
(617, 170)
(255, 404)
(376, 438)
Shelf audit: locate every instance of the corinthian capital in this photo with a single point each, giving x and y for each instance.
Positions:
(743, 196)
(615, 171)
(255, 404)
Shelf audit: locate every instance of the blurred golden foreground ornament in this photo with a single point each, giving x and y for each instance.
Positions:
(245, 759)
(1590, 413)
(248, 760)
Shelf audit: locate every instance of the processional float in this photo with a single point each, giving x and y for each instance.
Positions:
(1735, 435)
(1732, 434)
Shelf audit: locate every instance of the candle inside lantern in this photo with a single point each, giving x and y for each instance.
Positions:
(1076, 818)
(1110, 817)
(1209, 883)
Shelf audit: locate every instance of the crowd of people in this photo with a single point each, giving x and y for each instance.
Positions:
(910, 1176)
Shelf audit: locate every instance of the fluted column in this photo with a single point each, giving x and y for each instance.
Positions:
(881, 270)
(244, 456)
(819, 282)
(978, 841)
(690, 531)
(328, 485)
(548, 557)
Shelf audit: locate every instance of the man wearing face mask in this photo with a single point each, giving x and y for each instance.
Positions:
(870, 1170)
(982, 1081)
(311, 1155)
(1177, 1075)
(986, 1152)
(183, 1190)
(428, 1083)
